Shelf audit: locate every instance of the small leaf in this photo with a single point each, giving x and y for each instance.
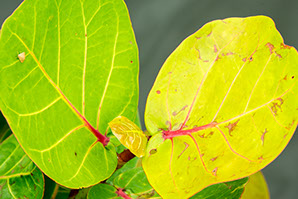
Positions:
(256, 187)
(105, 191)
(223, 106)
(130, 135)
(19, 177)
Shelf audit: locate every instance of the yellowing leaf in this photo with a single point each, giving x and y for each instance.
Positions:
(130, 135)
(256, 187)
(223, 106)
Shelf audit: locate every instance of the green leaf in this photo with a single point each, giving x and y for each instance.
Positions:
(130, 135)
(256, 187)
(19, 177)
(227, 190)
(80, 72)
(129, 179)
(105, 191)
(223, 106)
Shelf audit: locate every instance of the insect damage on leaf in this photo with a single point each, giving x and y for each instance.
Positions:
(22, 57)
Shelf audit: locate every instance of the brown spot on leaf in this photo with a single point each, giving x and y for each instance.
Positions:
(214, 171)
(260, 158)
(206, 136)
(284, 46)
(31, 174)
(271, 47)
(215, 49)
(197, 37)
(232, 126)
(277, 105)
(131, 62)
(263, 136)
(278, 55)
(285, 78)
(76, 154)
(212, 159)
(293, 77)
(251, 59)
(85, 35)
(158, 91)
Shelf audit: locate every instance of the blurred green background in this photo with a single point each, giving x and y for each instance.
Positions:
(160, 25)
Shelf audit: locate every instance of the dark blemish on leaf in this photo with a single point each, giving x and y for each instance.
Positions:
(284, 46)
(25, 197)
(34, 186)
(215, 48)
(275, 105)
(214, 172)
(153, 151)
(12, 183)
(38, 180)
(76, 154)
(21, 176)
(186, 146)
(85, 35)
(158, 91)
(263, 136)
(232, 126)
(293, 77)
(212, 159)
(131, 62)
(251, 59)
(271, 47)
(31, 174)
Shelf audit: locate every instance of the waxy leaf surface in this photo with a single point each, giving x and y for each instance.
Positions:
(130, 135)
(223, 106)
(256, 187)
(19, 177)
(80, 71)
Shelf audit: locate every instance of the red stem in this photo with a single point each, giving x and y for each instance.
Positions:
(121, 193)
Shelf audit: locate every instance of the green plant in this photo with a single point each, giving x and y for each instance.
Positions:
(223, 105)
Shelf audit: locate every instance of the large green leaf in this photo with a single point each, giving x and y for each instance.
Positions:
(19, 177)
(223, 106)
(80, 72)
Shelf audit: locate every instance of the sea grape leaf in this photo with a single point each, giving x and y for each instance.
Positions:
(226, 190)
(223, 106)
(19, 177)
(129, 179)
(129, 134)
(256, 187)
(80, 72)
